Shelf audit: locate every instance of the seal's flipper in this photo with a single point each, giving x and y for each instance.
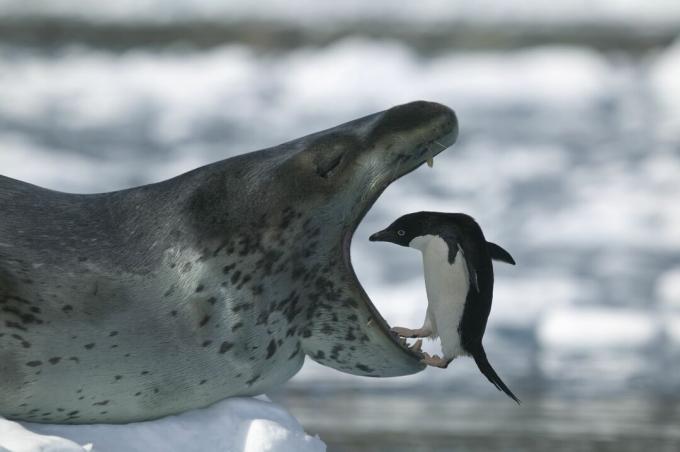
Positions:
(499, 254)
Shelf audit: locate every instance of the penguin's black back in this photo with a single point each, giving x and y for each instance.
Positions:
(471, 239)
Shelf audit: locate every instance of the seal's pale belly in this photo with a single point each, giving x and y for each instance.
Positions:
(128, 357)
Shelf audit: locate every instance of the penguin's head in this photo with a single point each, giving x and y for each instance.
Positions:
(407, 228)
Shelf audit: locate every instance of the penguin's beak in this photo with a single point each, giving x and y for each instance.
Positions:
(381, 236)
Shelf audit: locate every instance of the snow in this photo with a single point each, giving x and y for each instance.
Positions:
(310, 12)
(666, 87)
(589, 328)
(232, 425)
(668, 289)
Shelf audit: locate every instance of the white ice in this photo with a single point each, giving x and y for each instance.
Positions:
(314, 13)
(232, 425)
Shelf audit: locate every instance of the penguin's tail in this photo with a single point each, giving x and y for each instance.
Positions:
(485, 367)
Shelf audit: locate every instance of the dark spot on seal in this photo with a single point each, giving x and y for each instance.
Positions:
(364, 367)
(271, 349)
(54, 360)
(118, 377)
(137, 394)
(173, 313)
(295, 352)
(350, 335)
(327, 329)
(156, 390)
(102, 403)
(34, 363)
(202, 382)
(113, 333)
(335, 351)
(306, 333)
(74, 359)
(186, 268)
(235, 277)
(353, 318)
(10, 324)
(206, 343)
(236, 326)
(204, 320)
(225, 347)
(35, 309)
(145, 372)
(89, 346)
(67, 308)
(212, 300)
(253, 380)
(73, 413)
(320, 355)
(200, 288)
(227, 268)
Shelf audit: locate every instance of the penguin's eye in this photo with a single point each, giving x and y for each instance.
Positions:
(401, 233)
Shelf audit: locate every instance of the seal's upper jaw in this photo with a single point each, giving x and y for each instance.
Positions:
(406, 136)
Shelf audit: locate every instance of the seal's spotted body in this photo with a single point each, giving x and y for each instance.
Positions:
(135, 304)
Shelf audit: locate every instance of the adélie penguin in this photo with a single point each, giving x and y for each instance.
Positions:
(458, 281)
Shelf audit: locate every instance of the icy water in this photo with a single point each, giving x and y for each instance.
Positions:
(410, 422)
(569, 157)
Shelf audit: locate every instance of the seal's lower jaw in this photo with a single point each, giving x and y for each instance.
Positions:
(422, 154)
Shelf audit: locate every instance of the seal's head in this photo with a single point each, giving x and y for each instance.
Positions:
(356, 161)
(337, 175)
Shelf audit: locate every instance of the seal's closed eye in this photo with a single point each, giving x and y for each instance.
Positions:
(326, 164)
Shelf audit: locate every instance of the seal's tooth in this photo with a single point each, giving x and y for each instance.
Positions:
(430, 159)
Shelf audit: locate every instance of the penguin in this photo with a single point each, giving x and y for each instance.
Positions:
(458, 281)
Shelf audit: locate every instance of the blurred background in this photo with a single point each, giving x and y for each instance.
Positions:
(569, 157)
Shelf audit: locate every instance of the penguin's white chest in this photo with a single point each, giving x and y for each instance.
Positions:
(447, 286)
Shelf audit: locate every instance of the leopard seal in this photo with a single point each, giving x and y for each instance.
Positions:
(140, 303)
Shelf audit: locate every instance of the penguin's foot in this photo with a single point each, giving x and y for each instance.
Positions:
(435, 361)
(407, 332)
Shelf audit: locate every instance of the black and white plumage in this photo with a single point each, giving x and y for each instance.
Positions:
(458, 280)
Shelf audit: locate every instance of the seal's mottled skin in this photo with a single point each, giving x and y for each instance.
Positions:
(130, 305)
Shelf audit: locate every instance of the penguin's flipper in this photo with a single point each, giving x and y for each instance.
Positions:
(454, 246)
(485, 367)
(499, 254)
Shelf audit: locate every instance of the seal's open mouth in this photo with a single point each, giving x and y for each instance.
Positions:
(404, 164)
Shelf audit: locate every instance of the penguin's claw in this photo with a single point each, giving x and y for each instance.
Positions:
(434, 361)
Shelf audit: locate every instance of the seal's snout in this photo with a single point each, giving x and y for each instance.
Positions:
(418, 114)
